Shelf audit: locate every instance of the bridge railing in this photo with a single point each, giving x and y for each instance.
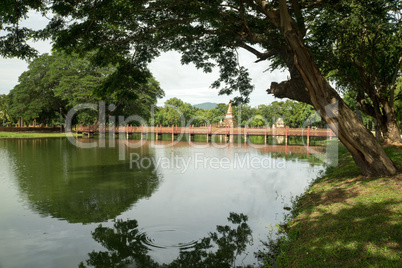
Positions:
(209, 130)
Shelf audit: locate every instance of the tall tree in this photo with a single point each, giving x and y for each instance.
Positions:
(175, 112)
(56, 83)
(33, 97)
(207, 33)
(358, 44)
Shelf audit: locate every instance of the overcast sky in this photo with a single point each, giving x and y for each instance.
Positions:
(184, 82)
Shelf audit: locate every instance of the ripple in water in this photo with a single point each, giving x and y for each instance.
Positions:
(168, 237)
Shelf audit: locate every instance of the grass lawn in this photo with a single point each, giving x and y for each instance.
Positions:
(345, 220)
(13, 135)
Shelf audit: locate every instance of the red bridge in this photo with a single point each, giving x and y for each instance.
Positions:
(208, 131)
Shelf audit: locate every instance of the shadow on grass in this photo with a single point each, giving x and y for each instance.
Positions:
(356, 223)
(343, 220)
(355, 236)
(341, 190)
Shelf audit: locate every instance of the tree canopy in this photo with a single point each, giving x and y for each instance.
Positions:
(359, 46)
(56, 83)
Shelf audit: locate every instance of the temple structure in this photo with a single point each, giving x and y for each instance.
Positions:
(280, 123)
(228, 121)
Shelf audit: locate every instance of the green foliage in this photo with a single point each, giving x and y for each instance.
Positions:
(14, 42)
(358, 42)
(100, 187)
(354, 43)
(295, 114)
(175, 112)
(358, 45)
(350, 99)
(56, 83)
(4, 116)
(398, 102)
(130, 34)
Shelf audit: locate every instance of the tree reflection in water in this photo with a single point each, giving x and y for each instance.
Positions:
(126, 248)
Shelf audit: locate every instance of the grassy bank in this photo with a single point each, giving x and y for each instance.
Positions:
(16, 135)
(344, 220)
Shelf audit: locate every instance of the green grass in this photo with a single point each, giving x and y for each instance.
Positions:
(396, 155)
(15, 135)
(345, 220)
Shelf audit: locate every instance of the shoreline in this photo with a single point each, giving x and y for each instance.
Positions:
(25, 135)
(343, 219)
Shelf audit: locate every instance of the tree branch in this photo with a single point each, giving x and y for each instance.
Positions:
(261, 56)
(393, 83)
(268, 10)
(377, 80)
(93, 19)
(299, 16)
(293, 89)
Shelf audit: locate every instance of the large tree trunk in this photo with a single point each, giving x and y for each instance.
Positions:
(385, 117)
(377, 128)
(358, 111)
(382, 110)
(365, 150)
(392, 133)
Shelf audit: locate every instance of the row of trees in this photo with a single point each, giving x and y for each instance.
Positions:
(32, 100)
(56, 83)
(295, 114)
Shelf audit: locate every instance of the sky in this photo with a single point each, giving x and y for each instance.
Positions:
(184, 82)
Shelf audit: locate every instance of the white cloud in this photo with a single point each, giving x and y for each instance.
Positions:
(10, 70)
(193, 86)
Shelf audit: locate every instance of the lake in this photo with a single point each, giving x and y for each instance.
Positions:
(144, 205)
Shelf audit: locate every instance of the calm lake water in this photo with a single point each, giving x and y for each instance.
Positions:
(62, 206)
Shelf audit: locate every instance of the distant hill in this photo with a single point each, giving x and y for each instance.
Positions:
(206, 105)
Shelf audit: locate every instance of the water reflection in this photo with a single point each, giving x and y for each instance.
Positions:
(82, 185)
(49, 184)
(78, 185)
(127, 246)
